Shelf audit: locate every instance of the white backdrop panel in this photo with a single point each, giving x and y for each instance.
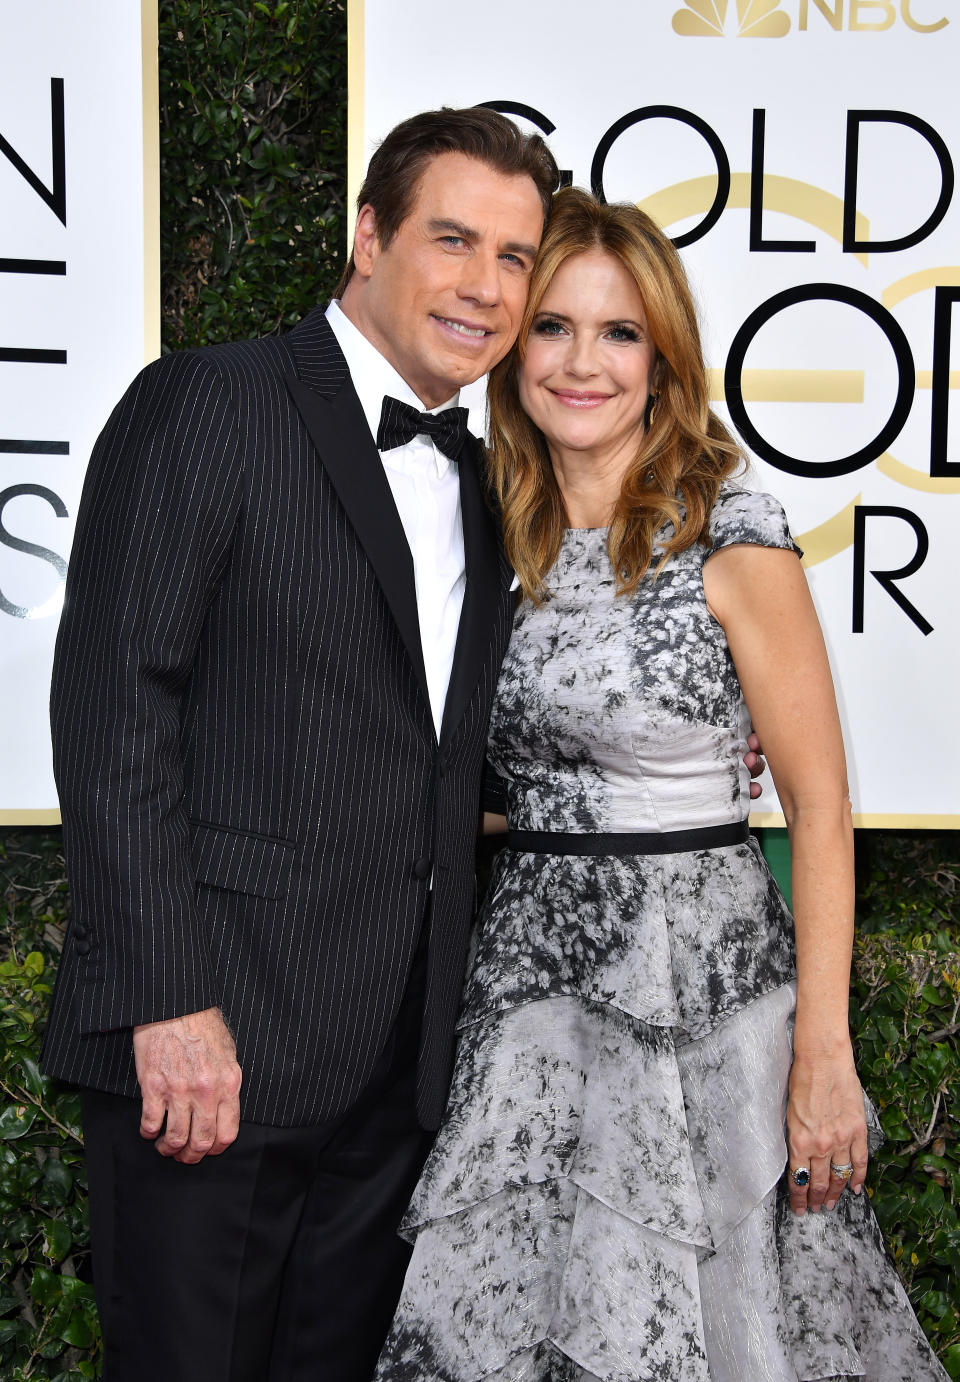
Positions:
(72, 287)
(820, 378)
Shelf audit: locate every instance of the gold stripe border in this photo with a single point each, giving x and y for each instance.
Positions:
(866, 820)
(759, 820)
(15, 817)
(150, 81)
(356, 138)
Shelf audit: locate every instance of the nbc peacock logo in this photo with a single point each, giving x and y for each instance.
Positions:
(754, 19)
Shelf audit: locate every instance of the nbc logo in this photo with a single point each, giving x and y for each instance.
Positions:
(754, 19)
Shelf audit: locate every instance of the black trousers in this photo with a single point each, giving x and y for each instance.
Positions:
(277, 1261)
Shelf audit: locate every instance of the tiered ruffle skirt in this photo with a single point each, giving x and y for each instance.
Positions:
(605, 1199)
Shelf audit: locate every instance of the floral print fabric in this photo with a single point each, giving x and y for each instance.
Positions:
(605, 1198)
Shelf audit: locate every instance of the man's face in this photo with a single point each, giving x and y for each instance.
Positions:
(443, 301)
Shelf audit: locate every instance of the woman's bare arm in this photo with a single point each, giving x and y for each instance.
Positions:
(760, 597)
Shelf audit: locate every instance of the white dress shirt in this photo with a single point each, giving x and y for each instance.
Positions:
(426, 489)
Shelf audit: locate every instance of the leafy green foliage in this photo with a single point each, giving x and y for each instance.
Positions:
(253, 164)
(906, 1002)
(48, 1320)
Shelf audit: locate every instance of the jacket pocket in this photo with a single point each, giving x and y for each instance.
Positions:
(242, 863)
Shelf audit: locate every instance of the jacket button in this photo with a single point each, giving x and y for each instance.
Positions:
(82, 947)
(422, 867)
(80, 933)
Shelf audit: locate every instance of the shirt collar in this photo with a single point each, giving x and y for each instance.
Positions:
(373, 376)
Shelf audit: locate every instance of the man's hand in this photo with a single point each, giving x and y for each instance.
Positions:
(188, 1073)
(754, 761)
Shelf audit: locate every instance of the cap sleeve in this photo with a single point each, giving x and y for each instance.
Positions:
(751, 517)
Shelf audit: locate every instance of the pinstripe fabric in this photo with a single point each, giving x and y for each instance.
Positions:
(252, 790)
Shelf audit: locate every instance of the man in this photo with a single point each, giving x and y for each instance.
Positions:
(270, 698)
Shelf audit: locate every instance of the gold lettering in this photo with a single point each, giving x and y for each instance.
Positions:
(914, 24)
(833, 17)
(857, 25)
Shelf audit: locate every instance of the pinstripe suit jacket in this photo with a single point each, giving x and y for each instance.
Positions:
(253, 794)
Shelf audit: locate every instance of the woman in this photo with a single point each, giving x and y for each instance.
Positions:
(607, 1197)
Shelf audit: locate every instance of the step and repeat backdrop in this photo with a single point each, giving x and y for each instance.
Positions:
(802, 155)
(800, 152)
(79, 316)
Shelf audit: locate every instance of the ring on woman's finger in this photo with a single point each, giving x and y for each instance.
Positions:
(842, 1172)
(800, 1175)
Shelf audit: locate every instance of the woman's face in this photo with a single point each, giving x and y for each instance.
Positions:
(586, 376)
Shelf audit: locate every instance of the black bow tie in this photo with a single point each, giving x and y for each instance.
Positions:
(399, 423)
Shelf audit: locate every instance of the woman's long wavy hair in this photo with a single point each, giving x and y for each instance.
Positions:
(684, 451)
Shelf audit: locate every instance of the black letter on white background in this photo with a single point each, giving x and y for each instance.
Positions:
(685, 117)
(55, 196)
(856, 118)
(20, 545)
(887, 578)
(816, 292)
(940, 401)
(536, 117)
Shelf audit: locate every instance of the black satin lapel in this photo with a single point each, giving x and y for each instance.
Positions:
(481, 597)
(340, 433)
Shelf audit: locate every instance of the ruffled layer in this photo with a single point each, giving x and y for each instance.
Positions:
(564, 1089)
(679, 941)
(603, 1202)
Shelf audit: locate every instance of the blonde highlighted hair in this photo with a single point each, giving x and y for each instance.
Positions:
(684, 452)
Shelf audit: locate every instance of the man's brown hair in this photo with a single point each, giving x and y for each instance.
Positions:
(393, 175)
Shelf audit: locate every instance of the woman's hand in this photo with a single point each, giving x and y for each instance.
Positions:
(825, 1124)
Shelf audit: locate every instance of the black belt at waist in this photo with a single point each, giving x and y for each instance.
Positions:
(670, 842)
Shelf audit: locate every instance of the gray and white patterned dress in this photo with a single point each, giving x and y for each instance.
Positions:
(605, 1198)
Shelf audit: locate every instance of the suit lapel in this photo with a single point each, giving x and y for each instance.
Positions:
(481, 597)
(327, 401)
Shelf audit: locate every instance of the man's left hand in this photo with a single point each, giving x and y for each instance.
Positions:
(190, 1081)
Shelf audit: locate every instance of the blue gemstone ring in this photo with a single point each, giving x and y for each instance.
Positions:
(801, 1176)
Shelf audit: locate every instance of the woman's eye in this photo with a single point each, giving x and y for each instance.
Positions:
(548, 326)
(623, 333)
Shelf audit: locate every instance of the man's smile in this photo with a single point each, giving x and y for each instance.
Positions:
(463, 328)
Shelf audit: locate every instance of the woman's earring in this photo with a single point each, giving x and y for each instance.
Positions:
(650, 411)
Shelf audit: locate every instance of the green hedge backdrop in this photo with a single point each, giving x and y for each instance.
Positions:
(253, 145)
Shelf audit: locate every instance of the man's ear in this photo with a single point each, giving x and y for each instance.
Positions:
(366, 241)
